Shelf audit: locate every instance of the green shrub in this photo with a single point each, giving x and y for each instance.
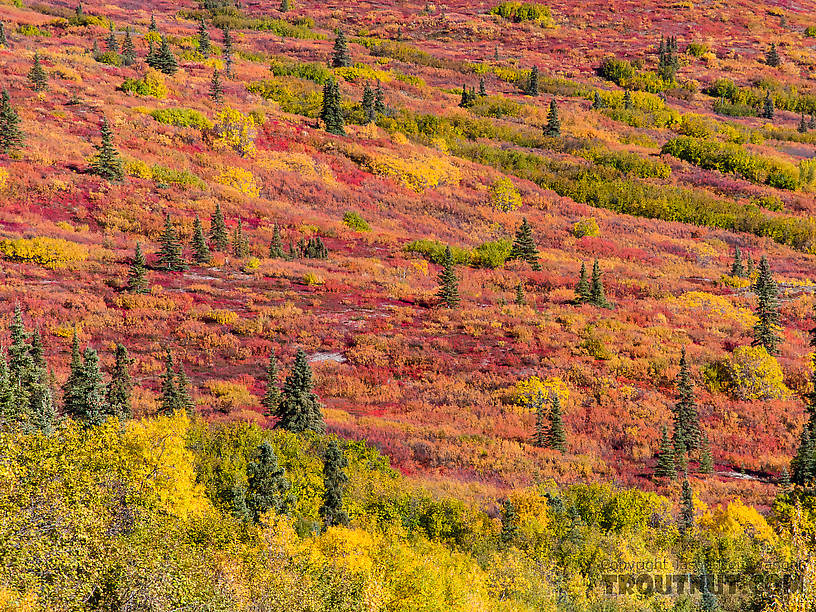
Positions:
(696, 49)
(109, 57)
(434, 251)
(27, 29)
(524, 11)
(182, 178)
(770, 202)
(492, 254)
(152, 84)
(293, 96)
(356, 222)
(311, 71)
(810, 31)
(586, 227)
(181, 117)
(626, 162)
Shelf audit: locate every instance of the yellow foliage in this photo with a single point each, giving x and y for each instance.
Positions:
(49, 252)
(359, 72)
(137, 168)
(221, 316)
(709, 304)
(755, 375)
(137, 301)
(586, 227)
(235, 130)
(11, 601)
(737, 519)
(533, 389)
(416, 173)
(312, 278)
(252, 264)
(504, 195)
(229, 393)
(305, 165)
(4, 177)
(737, 282)
(240, 179)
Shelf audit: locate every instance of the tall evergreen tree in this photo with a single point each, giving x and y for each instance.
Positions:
(276, 246)
(772, 56)
(737, 269)
(597, 295)
(37, 351)
(169, 389)
(240, 244)
(153, 27)
(171, 254)
(90, 408)
(553, 127)
(272, 398)
(3, 39)
(768, 107)
(137, 275)
(665, 459)
(111, 44)
(520, 298)
(482, 90)
(216, 90)
(120, 388)
(184, 396)
(201, 253)
(556, 436)
(538, 404)
(340, 55)
(331, 113)
(686, 420)
(203, 37)
(802, 128)
(628, 103)
(524, 246)
(597, 101)
(668, 63)
(20, 360)
(803, 465)
(784, 479)
(448, 291)
(706, 460)
(71, 390)
(368, 104)
(509, 523)
(267, 485)
(107, 163)
(300, 409)
(686, 520)
(334, 480)
(766, 330)
(11, 138)
(218, 230)
(531, 89)
(163, 59)
(582, 293)
(379, 99)
(128, 49)
(37, 75)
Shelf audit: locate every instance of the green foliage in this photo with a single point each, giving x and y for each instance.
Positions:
(300, 409)
(279, 27)
(766, 330)
(524, 246)
(340, 54)
(107, 162)
(586, 227)
(434, 251)
(37, 75)
(492, 254)
(28, 29)
(334, 480)
(137, 274)
(626, 162)
(622, 73)
(524, 11)
(181, 117)
(330, 112)
(686, 419)
(111, 58)
(697, 49)
(311, 71)
(149, 85)
(293, 97)
(665, 459)
(448, 291)
(356, 222)
(11, 137)
(170, 254)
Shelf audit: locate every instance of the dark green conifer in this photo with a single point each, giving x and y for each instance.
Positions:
(120, 388)
(531, 89)
(737, 269)
(272, 397)
(540, 435)
(448, 291)
(628, 103)
(784, 480)
(276, 246)
(107, 163)
(482, 90)
(37, 351)
(201, 253)
(170, 393)
(520, 299)
(153, 27)
(171, 254)
(803, 126)
(37, 75)
(524, 246)
(368, 104)
(91, 406)
(216, 90)
(184, 396)
(597, 296)
(331, 113)
(556, 436)
(553, 127)
(665, 459)
(768, 107)
(284, 6)
(509, 523)
(111, 44)
(165, 61)
(686, 520)
(137, 275)
(803, 465)
(240, 244)
(128, 49)
(20, 360)
(582, 293)
(71, 390)
(686, 419)
(334, 480)
(267, 485)
(766, 330)
(203, 37)
(706, 460)
(379, 99)
(340, 55)
(299, 409)
(11, 138)
(218, 230)
(668, 63)
(3, 39)
(772, 56)
(597, 102)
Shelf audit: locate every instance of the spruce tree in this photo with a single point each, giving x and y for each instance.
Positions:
(331, 112)
(216, 90)
(299, 409)
(509, 523)
(531, 89)
(556, 436)
(3, 39)
(203, 37)
(668, 63)
(11, 413)
(597, 102)
(120, 388)
(107, 162)
(582, 293)
(276, 246)
(766, 329)
(628, 103)
(201, 253)
(218, 230)
(524, 246)
(153, 27)
(184, 396)
(784, 479)
(20, 360)
(772, 56)
(91, 409)
(72, 389)
(284, 6)
(128, 49)
(170, 254)
(164, 60)
(111, 44)
(334, 480)
(540, 435)
(37, 351)
(686, 420)
(706, 460)
(553, 127)
(737, 269)
(368, 104)
(768, 107)
(686, 520)
(803, 465)
(169, 389)
(520, 299)
(272, 398)
(340, 55)
(137, 275)
(448, 291)
(379, 99)
(665, 459)
(267, 485)
(482, 90)
(802, 128)
(240, 244)
(37, 75)
(597, 296)
(11, 138)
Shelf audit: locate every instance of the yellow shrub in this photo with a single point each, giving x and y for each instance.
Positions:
(235, 130)
(50, 252)
(67, 330)
(753, 374)
(229, 394)
(4, 177)
(137, 168)
(136, 301)
(737, 519)
(714, 304)
(305, 165)
(240, 179)
(533, 389)
(311, 278)
(417, 174)
(504, 195)
(363, 72)
(252, 264)
(586, 227)
(221, 316)
(66, 73)
(737, 282)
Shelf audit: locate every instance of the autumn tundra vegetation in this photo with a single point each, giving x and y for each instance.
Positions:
(405, 306)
